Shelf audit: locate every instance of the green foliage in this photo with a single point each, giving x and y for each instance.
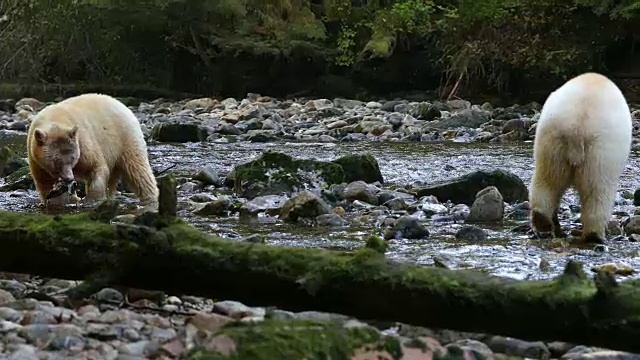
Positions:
(117, 41)
(626, 9)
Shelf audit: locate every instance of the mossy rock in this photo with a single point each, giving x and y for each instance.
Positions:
(19, 179)
(360, 167)
(296, 339)
(10, 161)
(274, 173)
(178, 132)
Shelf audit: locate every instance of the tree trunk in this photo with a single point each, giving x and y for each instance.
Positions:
(161, 252)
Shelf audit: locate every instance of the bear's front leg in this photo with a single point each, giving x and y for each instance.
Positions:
(96, 187)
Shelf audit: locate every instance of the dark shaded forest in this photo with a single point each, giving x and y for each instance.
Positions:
(351, 48)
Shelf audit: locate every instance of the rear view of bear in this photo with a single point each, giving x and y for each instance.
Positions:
(94, 138)
(583, 140)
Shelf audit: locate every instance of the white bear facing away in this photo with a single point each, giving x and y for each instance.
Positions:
(583, 140)
(95, 138)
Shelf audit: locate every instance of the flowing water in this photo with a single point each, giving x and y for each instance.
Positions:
(506, 253)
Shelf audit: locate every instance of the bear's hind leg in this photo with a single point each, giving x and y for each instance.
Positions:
(138, 176)
(596, 184)
(550, 180)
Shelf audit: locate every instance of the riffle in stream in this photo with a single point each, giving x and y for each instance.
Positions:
(505, 253)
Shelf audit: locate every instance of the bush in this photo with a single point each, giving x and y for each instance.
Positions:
(182, 44)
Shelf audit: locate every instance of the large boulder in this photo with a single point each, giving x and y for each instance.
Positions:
(275, 173)
(463, 189)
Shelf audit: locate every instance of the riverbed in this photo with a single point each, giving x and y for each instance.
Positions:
(505, 253)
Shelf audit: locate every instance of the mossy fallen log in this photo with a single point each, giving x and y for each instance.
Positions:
(159, 251)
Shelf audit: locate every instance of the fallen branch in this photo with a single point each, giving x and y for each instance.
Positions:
(159, 251)
(455, 87)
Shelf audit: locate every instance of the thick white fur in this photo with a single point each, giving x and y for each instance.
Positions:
(583, 140)
(111, 144)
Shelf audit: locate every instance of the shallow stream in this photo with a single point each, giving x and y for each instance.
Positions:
(505, 253)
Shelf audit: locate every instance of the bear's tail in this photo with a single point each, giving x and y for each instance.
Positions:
(574, 149)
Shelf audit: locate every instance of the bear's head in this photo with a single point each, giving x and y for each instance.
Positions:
(58, 150)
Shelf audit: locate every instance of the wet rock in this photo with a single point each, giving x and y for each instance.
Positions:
(202, 103)
(395, 204)
(617, 268)
(447, 261)
(208, 176)
(255, 239)
(385, 195)
(15, 287)
(236, 310)
(218, 207)
(20, 125)
(360, 190)
(559, 348)
(109, 294)
(228, 129)
(406, 227)
(471, 233)
(519, 125)
(463, 189)
(488, 206)
(470, 118)
(347, 103)
(426, 111)
(330, 220)
(431, 209)
(478, 348)
(6, 297)
(202, 198)
(214, 322)
(24, 352)
(304, 205)
(270, 204)
(585, 353)
(633, 226)
(8, 105)
(636, 197)
(261, 135)
(516, 347)
(30, 104)
(178, 132)
(190, 186)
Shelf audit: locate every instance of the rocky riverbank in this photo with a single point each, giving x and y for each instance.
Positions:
(263, 119)
(349, 191)
(147, 325)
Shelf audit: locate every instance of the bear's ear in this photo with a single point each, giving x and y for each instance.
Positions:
(73, 132)
(40, 136)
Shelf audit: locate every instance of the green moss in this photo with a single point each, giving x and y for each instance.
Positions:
(380, 46)
(295, 339)
(362, 283)
(274, 172)
(360, 167)
(10, 161)
(19, 179)
(377, 243)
